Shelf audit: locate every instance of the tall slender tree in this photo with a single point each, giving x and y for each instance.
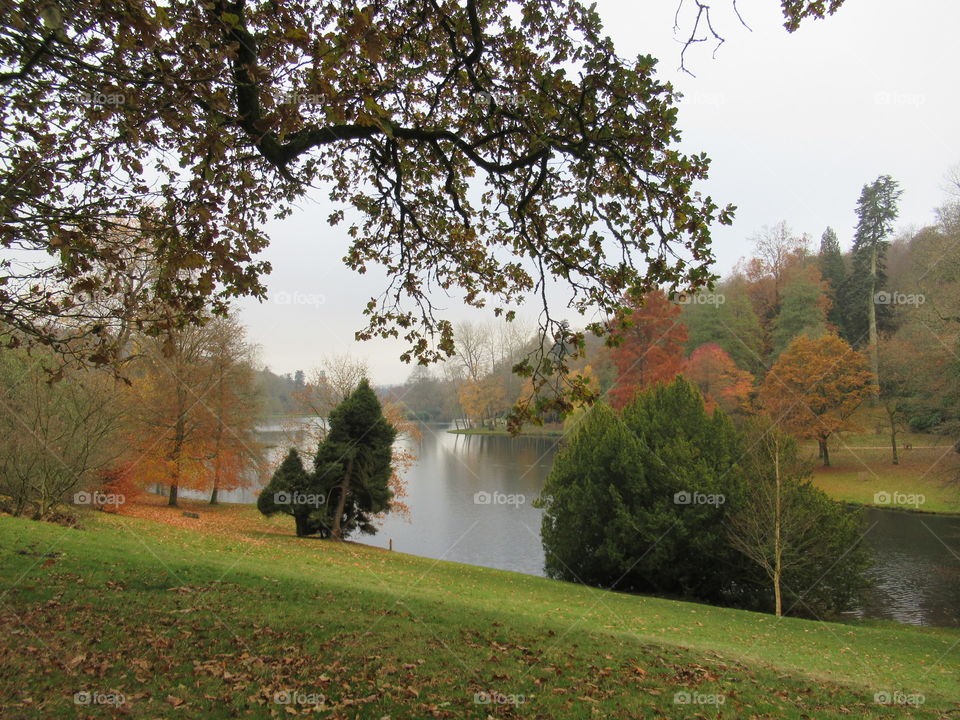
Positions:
(876, 212)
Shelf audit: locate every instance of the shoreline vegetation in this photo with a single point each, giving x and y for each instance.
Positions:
(423, 638)
(926, 480)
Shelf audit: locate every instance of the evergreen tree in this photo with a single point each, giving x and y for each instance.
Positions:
(353, 463)
(802, 312)
(834, 271)
(866, 303)
(295, 492)
(596, 482)
(626, 502)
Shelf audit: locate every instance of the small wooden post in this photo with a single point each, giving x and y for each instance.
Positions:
(391, 544)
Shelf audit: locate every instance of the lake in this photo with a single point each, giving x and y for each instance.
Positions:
(471, 501)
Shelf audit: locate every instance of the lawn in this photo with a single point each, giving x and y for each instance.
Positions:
(229, 615)
(926, 480)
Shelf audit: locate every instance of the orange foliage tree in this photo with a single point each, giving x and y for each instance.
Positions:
(722, 383)
(651, 347)
(482, 399)
(815, 386)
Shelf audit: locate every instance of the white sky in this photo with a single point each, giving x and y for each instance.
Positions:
(795, 125)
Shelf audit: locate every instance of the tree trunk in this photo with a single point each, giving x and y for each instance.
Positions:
(337, 531)
(824, 451)
(892, 417)
(302, 526)
(179, 435)
(213, 495)
(872, 318)
(777, 534)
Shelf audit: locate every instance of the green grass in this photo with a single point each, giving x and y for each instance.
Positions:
(213, 622)
(861, 467)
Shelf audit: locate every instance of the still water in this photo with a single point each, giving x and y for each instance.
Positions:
(471, 498)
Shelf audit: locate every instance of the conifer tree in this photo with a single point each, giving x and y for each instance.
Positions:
(293, 491)
(833, 271)
(353, 463)
(865, 298)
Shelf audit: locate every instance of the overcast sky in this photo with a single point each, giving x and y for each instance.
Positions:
(795, 125)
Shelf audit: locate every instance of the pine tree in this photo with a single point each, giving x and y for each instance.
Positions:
(833, 271)
(293, 491)
(353, 463)
(868, 313)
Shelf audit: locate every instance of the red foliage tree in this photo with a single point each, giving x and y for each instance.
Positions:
(722, 383)
(651, 350)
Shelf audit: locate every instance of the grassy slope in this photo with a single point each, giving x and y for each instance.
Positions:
(861, 467)
(212, 621)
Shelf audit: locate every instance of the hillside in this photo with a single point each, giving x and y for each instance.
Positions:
(223, 615)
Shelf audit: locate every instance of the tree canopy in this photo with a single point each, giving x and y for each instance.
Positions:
(478, 147)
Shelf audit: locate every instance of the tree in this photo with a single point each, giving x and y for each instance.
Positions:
(732, 324)
(834, 272)
(791, 529)
(876, 212)
(720, 381)
(482, 399)
(353, 463)
(803, 309)
(55, 437)
(904, 380)
(815, 386)
(232, 407)
(622, 503)
(777, 250)
(295, 492)
(171, 428)
(329, 385)
(650, 349)
(196, 122)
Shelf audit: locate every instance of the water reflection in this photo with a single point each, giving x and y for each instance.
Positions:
(917, 568)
